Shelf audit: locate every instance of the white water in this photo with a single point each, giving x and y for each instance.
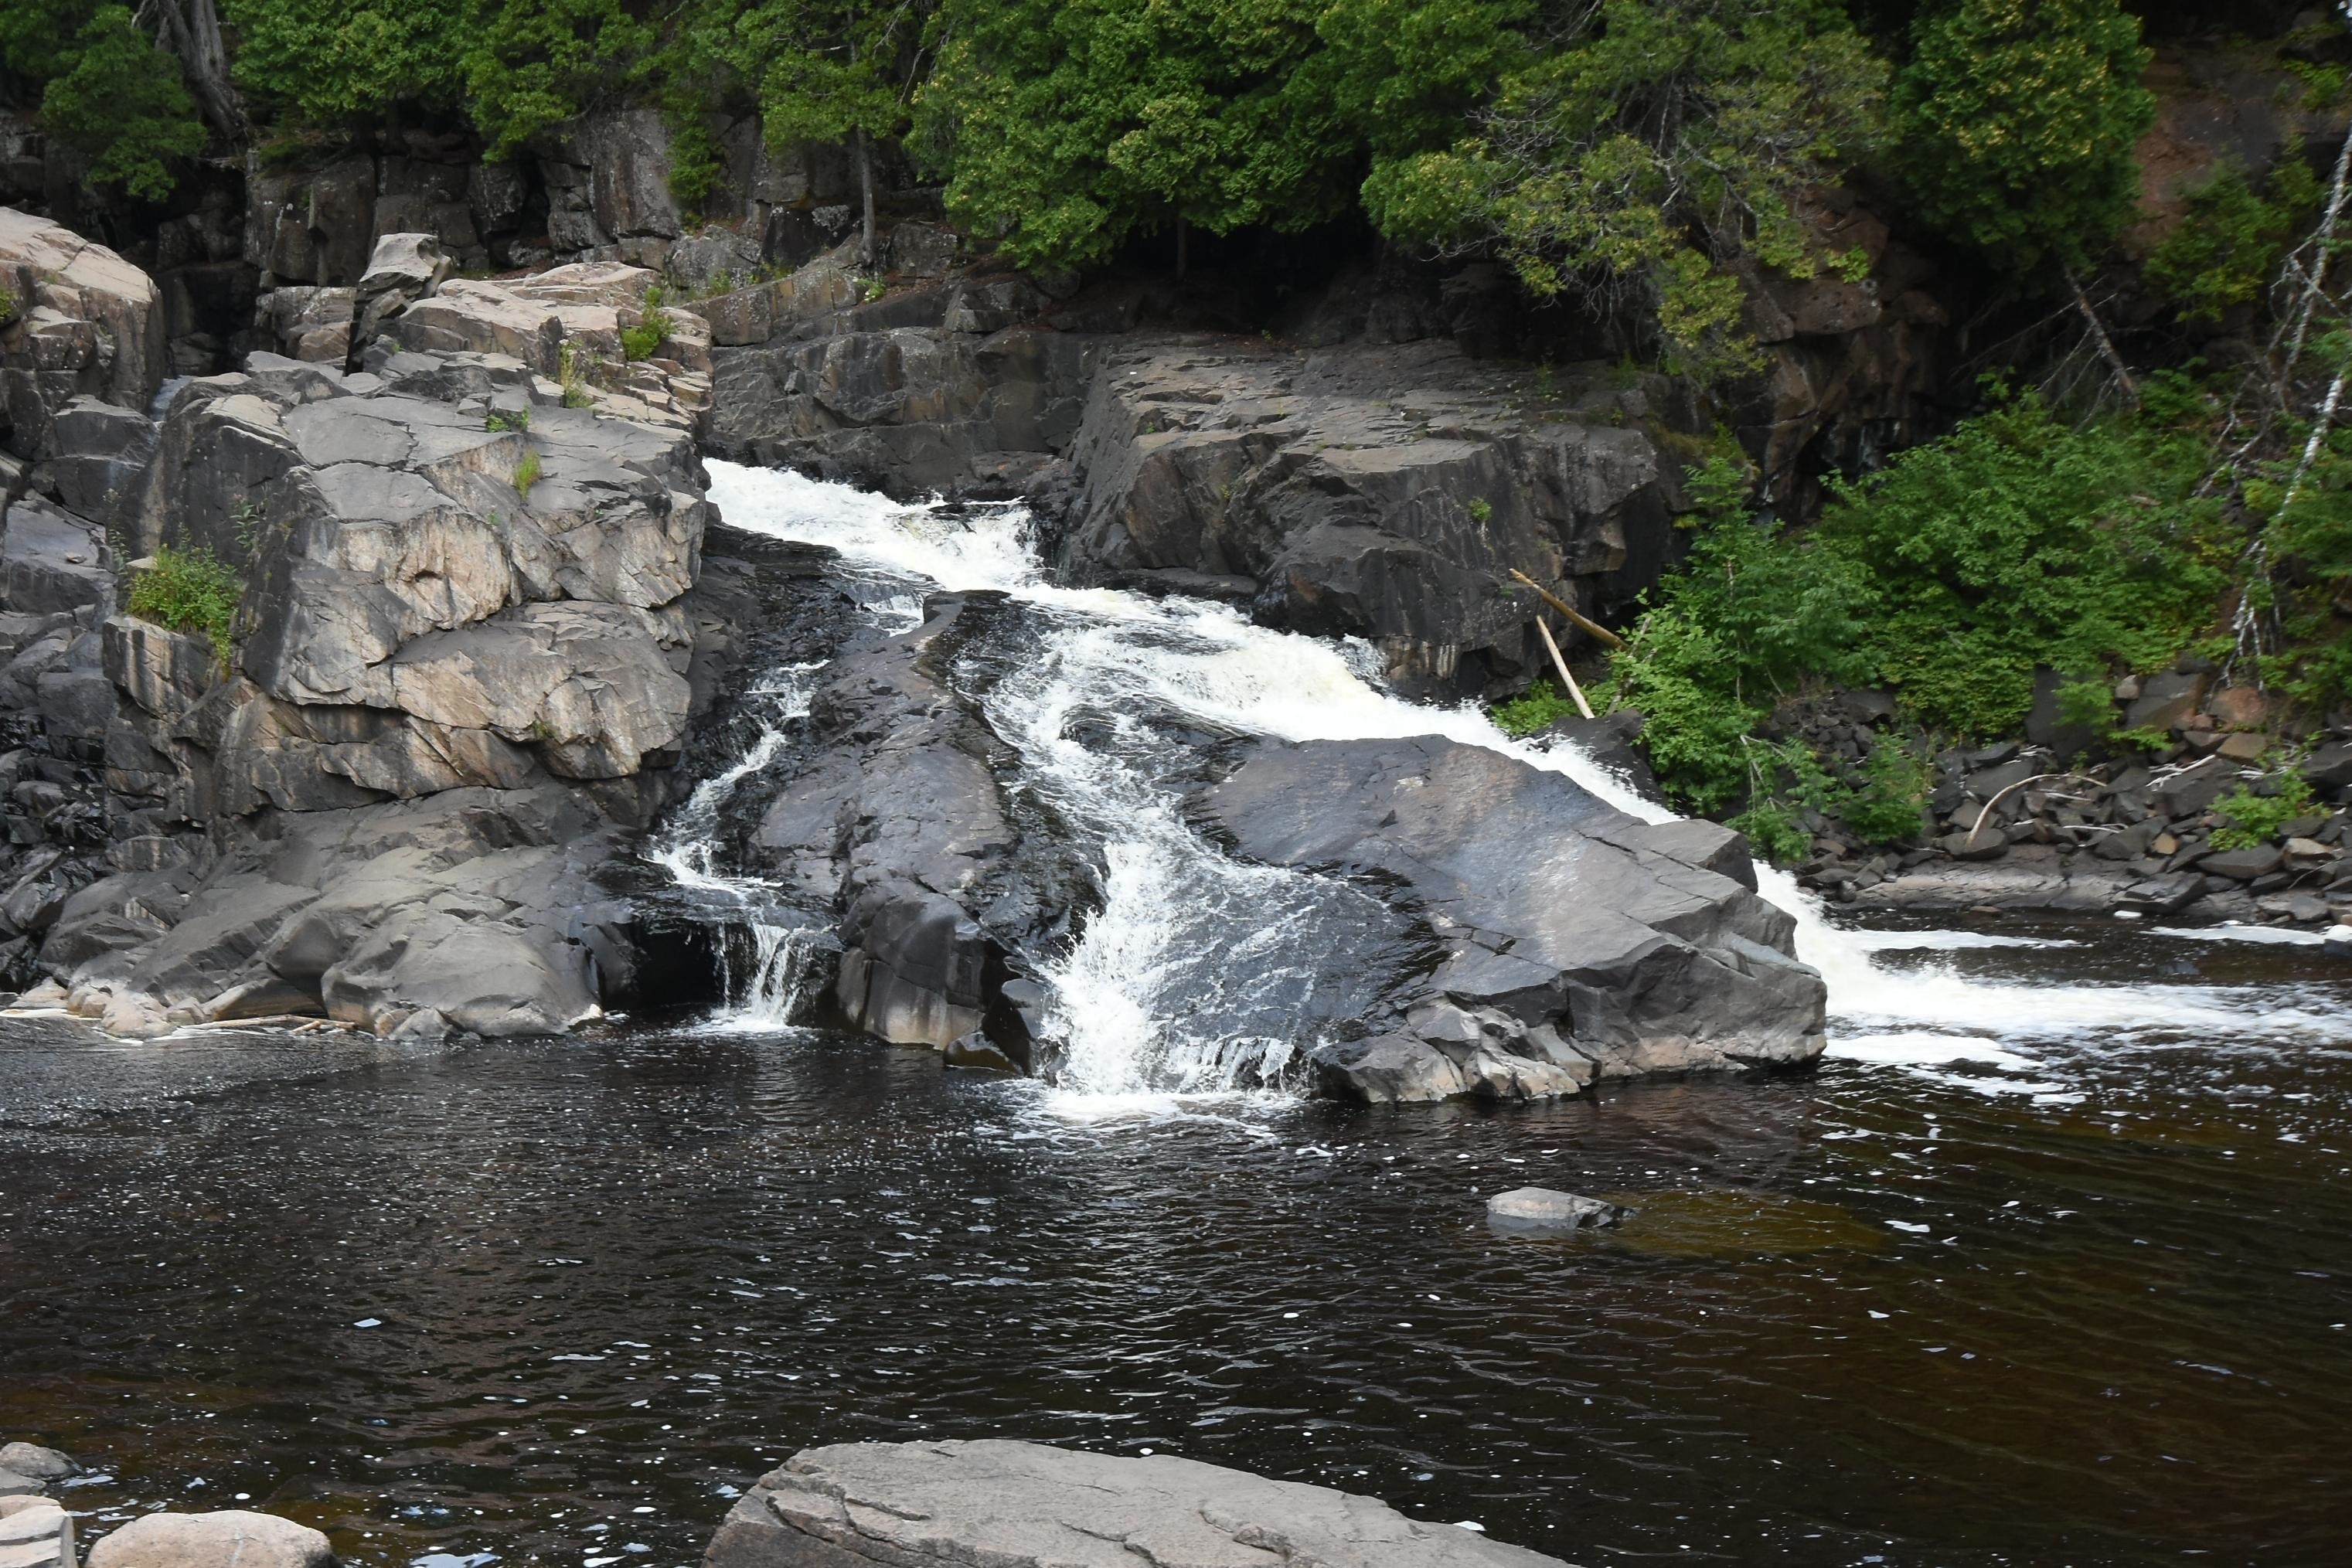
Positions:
(770, 992)
(1181, 923)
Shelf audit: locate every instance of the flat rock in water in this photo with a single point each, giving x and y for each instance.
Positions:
(1540, 1208)
(231, 1537)
(1026, 1505)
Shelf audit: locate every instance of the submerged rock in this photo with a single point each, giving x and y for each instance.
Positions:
(231, 1537)
(1574, 941)
(1540, 1210)
(1026, 1505)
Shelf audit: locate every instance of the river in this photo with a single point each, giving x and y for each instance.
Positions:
(2045, 1264)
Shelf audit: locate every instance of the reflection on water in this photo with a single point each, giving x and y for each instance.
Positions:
(1872, 1313)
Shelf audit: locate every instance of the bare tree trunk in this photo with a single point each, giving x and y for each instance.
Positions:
(2099, 336)
(865, 192)
(190, 30)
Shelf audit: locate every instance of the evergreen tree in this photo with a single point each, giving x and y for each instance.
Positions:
(2016, 121)
(121, 101)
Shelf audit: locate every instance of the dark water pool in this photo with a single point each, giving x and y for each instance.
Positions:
(554, 1301)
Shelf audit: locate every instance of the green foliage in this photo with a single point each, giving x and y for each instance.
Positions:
(1655, 143)
(330, 61)
(1481, 510)
(526, 472)
(121, 101)
(189, 591)
(2227, 246)
(1952, 575)
(2250, 819)
(497, 421)
(1532, 710)
(8, 307)
(572, 364)
(2015, 123)
(1886, 806)
(36, 37)
(2018, 542)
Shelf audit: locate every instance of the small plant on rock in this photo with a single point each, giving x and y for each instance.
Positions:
(1532, 710)
(526, 472)
(2250, 820)
(189, 591)
(8, 307)
(1481, 510)
(571, 367)
(643, 340)
(499, 422)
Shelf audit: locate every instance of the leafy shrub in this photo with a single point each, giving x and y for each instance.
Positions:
(189, 591)
(2226, 248)
(1532, 710)
(1481, 510)
(1886, 806)
(2251, 820)
(499, 422)
(526, 472)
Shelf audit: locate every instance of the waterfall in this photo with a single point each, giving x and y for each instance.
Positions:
(1200, 974)
(767, 991)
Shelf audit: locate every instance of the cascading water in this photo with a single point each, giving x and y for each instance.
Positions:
(1198, 973)
(769, 989)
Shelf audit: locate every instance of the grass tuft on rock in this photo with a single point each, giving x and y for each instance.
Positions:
(189, 591)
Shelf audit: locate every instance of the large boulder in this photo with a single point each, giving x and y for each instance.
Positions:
(232, 1538)
(40, 1535)
(1026, 1505)
(77, 321)
(895, 823)
(1572, 939)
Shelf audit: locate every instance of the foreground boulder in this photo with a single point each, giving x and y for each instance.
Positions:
(232, 1538)
(38, 1534)
(1575, 941)
(1026, 1505)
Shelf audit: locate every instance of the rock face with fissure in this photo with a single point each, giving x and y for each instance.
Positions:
(1576, 941)
(1026, 1505)
(79, 321)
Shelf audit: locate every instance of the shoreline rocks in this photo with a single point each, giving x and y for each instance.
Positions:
(1028, 1505)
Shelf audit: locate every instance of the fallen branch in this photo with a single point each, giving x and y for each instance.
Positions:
(1562, 665)
(2000, 795)
(2099, 336)
(1576, 617)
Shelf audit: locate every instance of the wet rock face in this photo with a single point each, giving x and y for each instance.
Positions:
(896, 824)
(1575, 941)
(79, 321)
(1026, 1505)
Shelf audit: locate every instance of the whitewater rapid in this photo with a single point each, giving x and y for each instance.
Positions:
(1180, 921)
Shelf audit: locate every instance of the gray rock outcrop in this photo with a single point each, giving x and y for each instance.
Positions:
(79, 321)
(1541, 1211)
(1379, 493)
(231, 1537)
(1574, 941)
(1026, 1505)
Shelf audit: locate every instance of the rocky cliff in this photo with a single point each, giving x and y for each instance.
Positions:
(458, 662)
